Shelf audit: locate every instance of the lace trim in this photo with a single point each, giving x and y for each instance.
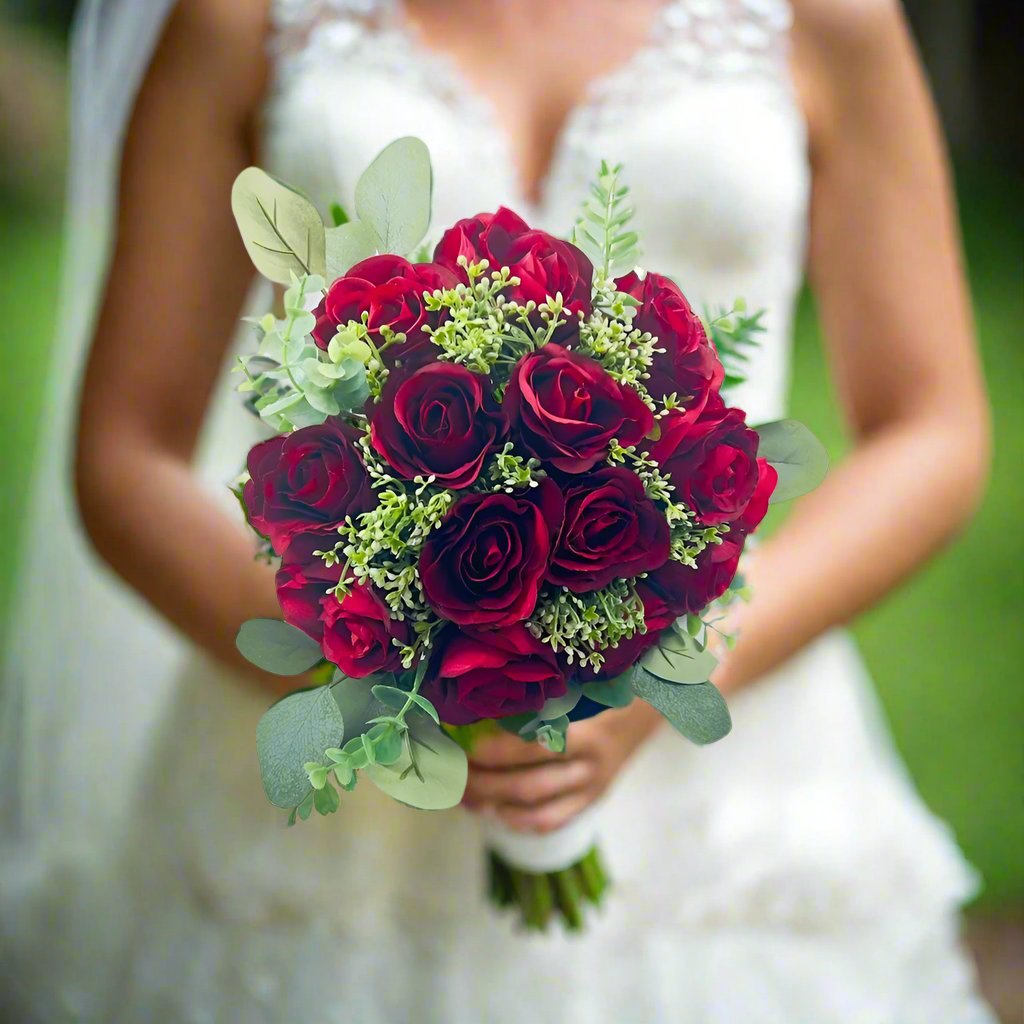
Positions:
(705, 36)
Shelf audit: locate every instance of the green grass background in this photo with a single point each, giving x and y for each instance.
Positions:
(946, 651)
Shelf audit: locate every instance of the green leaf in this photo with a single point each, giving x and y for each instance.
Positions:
(552, 734)
(338, 215)
(678, 658)
(798, 456)
(556, 707)
(390, 695)
(278, 647)
(393, 195)
(345, 776)
(613, 693)
(326, 800)
(441, 779)
(281, 229)
(424, 705)
(296, 730)
(699, 712)
(306, 807)
(387, 743)
(347, 245)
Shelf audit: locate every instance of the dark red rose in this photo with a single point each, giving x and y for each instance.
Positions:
(307, 481)
(546, 266)
(611, 530)
(566, 409)
(657, 617)
(683, 589)
(492, 674)
(440, 421)
(689, 366)
(389, 289)
(303, 581)
(358, 633)
(711, 460)
(487, 236)
(484, 565)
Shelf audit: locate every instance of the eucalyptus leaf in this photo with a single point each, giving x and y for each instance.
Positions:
(390, 695)
(347, 245)
(678, 658)
(699, 712)
(797, 455)
(326, 799)
(278, 647)
(393, 195)
(282, 230)
(442, 769)
(306, 807)
(556, 707)
(613, 693)
(296, 730)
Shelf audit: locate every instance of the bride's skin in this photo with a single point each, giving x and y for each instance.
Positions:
(884, 263)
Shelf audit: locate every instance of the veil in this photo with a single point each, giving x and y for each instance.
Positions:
(64, 733)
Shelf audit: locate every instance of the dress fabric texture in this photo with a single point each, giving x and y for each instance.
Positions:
(788, 875)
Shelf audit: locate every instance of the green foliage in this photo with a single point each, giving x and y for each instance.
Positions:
(291, 736)
(348, 244)
(582, 625)
(798, 456)
(602, 231)
(431, 771)
(281, 229)
(697, 711)
(277, 647)
(734, 333)
(613, 693)
(393, 195)
(679, 658)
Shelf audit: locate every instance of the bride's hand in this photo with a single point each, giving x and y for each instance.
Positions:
(533, 790)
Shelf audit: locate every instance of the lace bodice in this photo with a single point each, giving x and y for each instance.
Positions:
(703, 116)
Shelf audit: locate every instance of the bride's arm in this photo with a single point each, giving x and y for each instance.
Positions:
(886, 271)
(885, 266)
(178, 280)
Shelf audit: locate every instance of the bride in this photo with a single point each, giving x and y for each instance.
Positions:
(788, 875)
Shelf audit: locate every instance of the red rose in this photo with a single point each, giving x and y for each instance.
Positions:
(567, 409)
(484, 565)
(684, 589)
(492, 674)
(657, 617)
(358, 633)
(689, 366)
(303, 581)
(389, 289)
(711, 460)
(441, 421)
(546, 266)
(487, 236)
(307, 481)
(611, 530)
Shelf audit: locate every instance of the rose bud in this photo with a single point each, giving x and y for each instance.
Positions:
(495, 673)
(441, 421)
(485, 563)
(711, 460)
(389, 289)
(359, 633)
(689, 366)
(566, 409)
(303, 581)
(487, 236)
(306, 481)
(611, 530)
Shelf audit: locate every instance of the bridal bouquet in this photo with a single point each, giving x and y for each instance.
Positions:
(505, 492)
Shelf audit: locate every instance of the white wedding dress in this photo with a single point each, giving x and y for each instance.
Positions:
(788, 875)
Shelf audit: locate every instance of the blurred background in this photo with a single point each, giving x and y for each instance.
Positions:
(946, 651)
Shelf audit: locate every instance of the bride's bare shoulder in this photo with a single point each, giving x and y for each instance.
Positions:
(223, 41)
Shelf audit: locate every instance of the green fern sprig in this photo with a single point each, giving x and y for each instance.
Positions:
(734, 334)
(602, 231)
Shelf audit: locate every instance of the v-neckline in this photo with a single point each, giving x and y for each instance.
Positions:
(535, 196)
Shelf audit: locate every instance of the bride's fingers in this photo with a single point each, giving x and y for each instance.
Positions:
(503, 750)
(549, 816)
(529, 786)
